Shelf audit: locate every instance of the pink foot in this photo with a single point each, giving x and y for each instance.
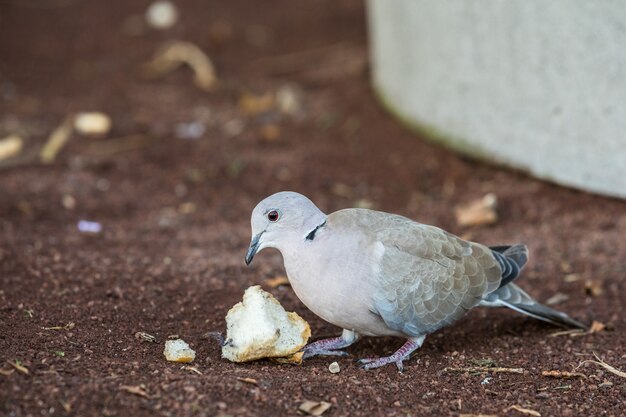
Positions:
(330, 347)
(398, 357)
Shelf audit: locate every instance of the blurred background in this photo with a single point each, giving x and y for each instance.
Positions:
(137, 136)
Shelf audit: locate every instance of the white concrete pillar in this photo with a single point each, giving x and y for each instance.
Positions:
(537, 85)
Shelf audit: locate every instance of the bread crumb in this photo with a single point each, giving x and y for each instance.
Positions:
(259, 327)
(178, 351)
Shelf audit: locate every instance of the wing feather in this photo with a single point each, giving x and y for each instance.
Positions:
(427, 278)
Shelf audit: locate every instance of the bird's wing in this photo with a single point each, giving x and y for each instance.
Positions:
(428, 278)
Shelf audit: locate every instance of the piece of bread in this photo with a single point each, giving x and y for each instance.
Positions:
(259, 327)
(178, 351)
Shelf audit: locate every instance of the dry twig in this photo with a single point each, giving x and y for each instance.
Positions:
(19, 367)
(192, 369)
(563, 374)
(176, 53)
(524, 410)
(248, 380)
(605, 365)
(486, 369)
(136, 390)
(57, 140)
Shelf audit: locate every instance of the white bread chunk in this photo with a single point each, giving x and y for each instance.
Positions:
(178, 351)
(259, 327)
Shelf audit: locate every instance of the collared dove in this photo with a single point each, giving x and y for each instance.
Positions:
(379, 274)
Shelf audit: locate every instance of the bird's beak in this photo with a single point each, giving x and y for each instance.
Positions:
(254, 246)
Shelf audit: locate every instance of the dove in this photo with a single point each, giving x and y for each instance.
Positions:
(373, 273)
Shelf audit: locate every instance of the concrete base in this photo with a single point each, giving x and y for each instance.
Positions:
(540, 86)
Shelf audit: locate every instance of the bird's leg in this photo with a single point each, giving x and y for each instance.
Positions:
(400, 355)
(329, 347)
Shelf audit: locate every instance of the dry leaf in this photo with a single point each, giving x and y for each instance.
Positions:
(593, 288)
(566, 267)
(605, 365)
(137, 390)
(557, 298)
(479, 212)
(270, 133)
(571, 278)
(277, 281)
(67, 406)
(596, 327)
(341, 190)
(295, 359)
(314, 408)
(176, 53)
(563, 374)
(57, 140)
(6, 372)
(524, 410)
(364, 203)
(10, 146)
(252, 105)
(187, 208)
(248, 380)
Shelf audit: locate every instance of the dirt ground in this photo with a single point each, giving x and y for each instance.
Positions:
(173, 184)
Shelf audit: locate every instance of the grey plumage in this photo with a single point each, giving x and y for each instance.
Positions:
(376, 274)
(515, 298)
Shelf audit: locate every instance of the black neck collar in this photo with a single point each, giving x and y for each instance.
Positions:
(312, 233)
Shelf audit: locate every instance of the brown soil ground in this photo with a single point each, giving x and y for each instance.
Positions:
(175, 216)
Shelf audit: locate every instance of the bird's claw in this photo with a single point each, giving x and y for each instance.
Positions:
(309, 353)
(329, 347)
(373, 363)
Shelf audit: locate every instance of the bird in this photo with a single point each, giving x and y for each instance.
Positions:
(373, 273)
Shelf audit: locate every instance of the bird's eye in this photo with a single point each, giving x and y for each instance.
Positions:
(272, 215)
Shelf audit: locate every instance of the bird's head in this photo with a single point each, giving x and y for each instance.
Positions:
(280, 219)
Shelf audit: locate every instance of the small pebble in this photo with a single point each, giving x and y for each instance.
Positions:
(10, 146)
(92, 123)
(178, 351)
(288, 100)
(606, 384)
(192, 130)
(87, 226)
(68, 201)
(162, 14)
(334, 368)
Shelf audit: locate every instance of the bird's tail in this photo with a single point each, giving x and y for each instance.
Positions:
(515, 298)
(511, 260)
